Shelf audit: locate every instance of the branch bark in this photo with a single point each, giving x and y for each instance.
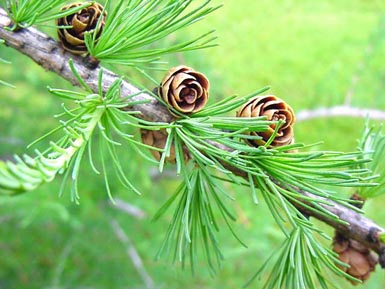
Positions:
(133, 254)
(129, 209)
(340, 110)
(48, 53)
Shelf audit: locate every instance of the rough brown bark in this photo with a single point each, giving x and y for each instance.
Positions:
(48, 53)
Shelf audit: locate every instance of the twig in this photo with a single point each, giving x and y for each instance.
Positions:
(360, 228)
(133, 254)
(340, 110)
(129, 209)
(47, 52)
(61, 264)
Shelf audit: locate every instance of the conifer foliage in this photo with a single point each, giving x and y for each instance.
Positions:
(245, 140)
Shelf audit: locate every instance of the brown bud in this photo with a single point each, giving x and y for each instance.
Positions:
(158, 139)
(184, 89)
(359, 258)
(85, 20)
(274, 109)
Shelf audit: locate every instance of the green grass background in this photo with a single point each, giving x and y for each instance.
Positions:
(312, 54)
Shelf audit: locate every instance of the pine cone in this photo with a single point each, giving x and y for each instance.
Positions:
(274, 109)
(85, 20)
(158, 139)
(362, 262)
(184, 89)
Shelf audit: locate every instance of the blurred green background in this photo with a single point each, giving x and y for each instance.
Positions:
(312, 53)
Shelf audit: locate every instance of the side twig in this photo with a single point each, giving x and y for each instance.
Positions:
(133, 254)
(129, 209)
(340, 110)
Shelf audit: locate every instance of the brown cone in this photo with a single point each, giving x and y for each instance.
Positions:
(158, 139)
(85, 20)
(274, 109)
(361, 261)
(184, 89)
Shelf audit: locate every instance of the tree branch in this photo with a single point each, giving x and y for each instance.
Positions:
(48, 53)
(360, 228)
(128, 209)
(340, 110)
(133, 254)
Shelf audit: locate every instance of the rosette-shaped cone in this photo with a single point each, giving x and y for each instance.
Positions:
(184, 89)
(158, 139)
(75, 25)
(274, 109)
(361, 261)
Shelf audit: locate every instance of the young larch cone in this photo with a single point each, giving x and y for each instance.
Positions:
(361, 261)
(274, 109)
(184, 89)
(158, 139)
(72, 27)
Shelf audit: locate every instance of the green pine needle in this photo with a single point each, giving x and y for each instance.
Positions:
(301, 262)
(279, 175)
(25, 13)
(133, 27)
(228, 104)
(7, 84)
(96, 115)
(27, 173)
(372, 146)
(199, 202)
